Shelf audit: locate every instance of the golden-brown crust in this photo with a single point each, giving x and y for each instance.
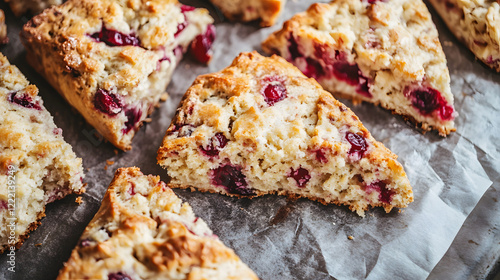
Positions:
(264, 11)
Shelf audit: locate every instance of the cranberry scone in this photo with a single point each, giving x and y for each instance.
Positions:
(264, 11)
(144, 231)
(21, 7)
(3, 29)
(383, 52)
(476, 24)
(112, 60)
(261, 126)
(36, 165)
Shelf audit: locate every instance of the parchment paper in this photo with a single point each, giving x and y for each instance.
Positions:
(282, 239)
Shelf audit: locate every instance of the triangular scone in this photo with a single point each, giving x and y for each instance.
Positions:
(476, 24)
(384, 52)
(144, 231)
(113, 59)
(260, 126)
(264, 11)
(36, 165)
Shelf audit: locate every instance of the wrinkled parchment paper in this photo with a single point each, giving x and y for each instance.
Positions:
(282, 239)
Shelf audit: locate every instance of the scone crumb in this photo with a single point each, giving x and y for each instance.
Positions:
(164, 97)
(38, 245)
(350, 237)
(110, 162)
(148, 120)
(116, 151)
(79, 200)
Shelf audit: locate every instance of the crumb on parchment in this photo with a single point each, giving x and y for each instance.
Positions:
(79, 200)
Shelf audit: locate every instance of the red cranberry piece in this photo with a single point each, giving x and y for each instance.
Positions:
(446, 112)
(23, 100)
(274, 93)
(131, 190)
(119, 276)
(232, 179)
(3, 205)
(114, 38)
(320, 156)
(314, 69)
(217, 143)
(427, 100)
(351, 74)
(107, 102)
(200, 48)
(358, 143)
(346, 72)
(293, 48)
(385, 195)
(133, 117)
(301, 176)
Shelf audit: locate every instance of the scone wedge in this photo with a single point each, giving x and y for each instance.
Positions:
(383, 52)
(36, 165)
(261, 126)
(476, 24)
(144, 231)
(264, 11)
(112, 60)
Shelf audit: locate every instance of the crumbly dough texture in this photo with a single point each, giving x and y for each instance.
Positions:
(60, 47)
(476, 24)
(36, 165)
(264, 11)
(3, 29)
(267, 144)
(393, 43)
(34, 7)
(144, 231)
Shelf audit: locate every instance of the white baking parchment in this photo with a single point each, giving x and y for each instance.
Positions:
(282, 239)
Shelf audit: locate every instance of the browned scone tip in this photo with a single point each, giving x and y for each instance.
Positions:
(266, 12)
(143, 231)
